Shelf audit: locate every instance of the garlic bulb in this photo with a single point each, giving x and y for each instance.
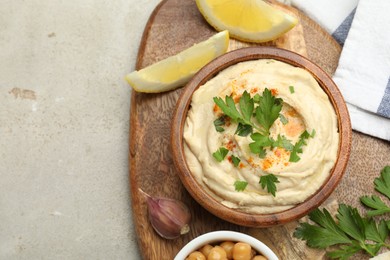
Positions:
(169, 217)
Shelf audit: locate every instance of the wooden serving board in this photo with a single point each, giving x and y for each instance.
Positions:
(176, 25)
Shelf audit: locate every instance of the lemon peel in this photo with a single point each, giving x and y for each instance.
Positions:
(247, 20)
(176, 70)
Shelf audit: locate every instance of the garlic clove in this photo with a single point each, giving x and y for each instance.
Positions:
(170, 218)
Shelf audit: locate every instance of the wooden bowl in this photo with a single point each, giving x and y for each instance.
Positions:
(234, 215)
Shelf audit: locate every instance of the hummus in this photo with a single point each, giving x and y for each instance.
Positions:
(305, 106)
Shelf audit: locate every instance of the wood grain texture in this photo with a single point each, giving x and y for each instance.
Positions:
(176, 25)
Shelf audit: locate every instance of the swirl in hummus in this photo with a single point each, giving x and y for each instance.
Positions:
(305, 107)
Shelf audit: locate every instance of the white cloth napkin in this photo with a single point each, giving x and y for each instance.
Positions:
(363, 73)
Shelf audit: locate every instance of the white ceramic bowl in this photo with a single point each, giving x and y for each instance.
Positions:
(220, 236)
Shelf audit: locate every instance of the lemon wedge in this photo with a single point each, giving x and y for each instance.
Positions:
(175, 71)
(246, 20)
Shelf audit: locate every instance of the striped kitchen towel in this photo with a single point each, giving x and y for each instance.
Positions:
(362, 27)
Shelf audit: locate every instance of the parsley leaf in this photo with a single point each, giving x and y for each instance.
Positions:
(218, 123)
(345, 251)
(262, 153)
(261, 141)
(305, 135)
(246, 106)
(256, 98)
(283, 119)
(374, 232)
(220, 154)
(294, 156)
(283, 142)
(240, 185)
(228, 108)
(313, 133)
(292, 90)
(268, 181)
(265, 140)
(375, 203)
(268, 110)
(351, 222)
(382, 184)
(298, 147)
(383, 230)
(243, 130)
(236, 161)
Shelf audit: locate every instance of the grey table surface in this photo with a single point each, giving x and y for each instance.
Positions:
(64, 125)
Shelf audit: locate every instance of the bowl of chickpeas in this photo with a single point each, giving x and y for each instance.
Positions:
(225, 245)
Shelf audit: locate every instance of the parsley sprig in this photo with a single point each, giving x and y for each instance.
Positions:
(266, 112)
(236, 161)
(240, 185)
(218, 123)
(242, 117)
(352, 232)
(298, 146)
(220, 154)
(382, 184)
(259, 144)
(268, 181)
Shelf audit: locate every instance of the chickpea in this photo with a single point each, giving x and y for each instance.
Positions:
(217, 253)
(228, 247)
(259, 257)
(206, 250)
(242, 251)
(196, 255)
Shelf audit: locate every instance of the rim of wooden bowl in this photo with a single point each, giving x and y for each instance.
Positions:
(240, 217)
